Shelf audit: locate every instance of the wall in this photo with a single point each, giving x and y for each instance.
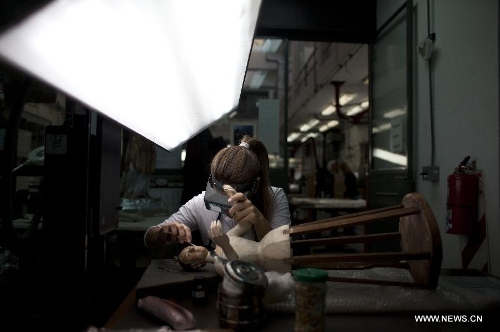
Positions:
(466, 110)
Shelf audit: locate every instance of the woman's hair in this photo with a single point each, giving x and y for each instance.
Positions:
(240, 164)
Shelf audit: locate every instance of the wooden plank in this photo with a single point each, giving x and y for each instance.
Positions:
(353, 215)
(351, 221)
(353, 265)
(421, 232)
(345, 240)
(363, 257)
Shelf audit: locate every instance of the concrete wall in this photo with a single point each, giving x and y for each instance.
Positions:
(465, 70)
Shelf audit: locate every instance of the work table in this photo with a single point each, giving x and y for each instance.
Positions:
(463, 294)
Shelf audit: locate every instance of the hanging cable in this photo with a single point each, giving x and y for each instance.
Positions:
(328, 78)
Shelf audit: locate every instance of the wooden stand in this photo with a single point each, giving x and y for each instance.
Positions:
(421, 250)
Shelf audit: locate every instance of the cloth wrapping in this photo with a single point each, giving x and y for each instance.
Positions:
(178, 317)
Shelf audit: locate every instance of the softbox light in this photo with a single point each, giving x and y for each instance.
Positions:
(164, 69)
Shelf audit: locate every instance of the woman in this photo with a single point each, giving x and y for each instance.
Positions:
(243, 166)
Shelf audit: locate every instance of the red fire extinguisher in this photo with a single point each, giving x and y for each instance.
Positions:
(461, 213)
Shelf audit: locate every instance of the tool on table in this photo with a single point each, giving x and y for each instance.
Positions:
(171, 270)
(188, 243)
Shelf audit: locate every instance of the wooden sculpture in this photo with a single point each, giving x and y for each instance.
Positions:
(421, 251)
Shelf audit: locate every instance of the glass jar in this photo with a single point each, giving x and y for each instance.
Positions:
(198, 293)
(310, 299)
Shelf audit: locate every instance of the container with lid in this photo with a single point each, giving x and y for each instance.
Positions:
(310, 297)
(240, 296)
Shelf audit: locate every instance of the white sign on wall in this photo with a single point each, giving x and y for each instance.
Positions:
(268, 127)
(397, 135)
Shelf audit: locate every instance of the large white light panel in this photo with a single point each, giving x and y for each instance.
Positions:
(165, 69)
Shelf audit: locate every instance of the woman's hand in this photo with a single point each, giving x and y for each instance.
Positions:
(222, 240)
(243, 210)
(172, 232)
(217, 235)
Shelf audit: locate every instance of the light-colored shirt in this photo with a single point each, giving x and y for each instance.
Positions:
(196, 216)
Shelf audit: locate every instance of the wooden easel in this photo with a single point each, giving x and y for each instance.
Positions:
(421, 250)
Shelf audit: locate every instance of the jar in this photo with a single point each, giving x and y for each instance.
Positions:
(240, 297)
(198, 293)
(310, 299)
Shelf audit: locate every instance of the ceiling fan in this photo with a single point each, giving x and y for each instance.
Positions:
(356, 118)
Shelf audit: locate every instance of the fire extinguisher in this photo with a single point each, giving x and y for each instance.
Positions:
(461, 209)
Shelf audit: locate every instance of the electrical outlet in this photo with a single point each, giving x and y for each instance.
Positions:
(430, 173)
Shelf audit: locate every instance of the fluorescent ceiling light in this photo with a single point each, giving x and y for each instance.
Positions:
(329, 110)
(390, 157)
(324, 128)
(346, 97)
(329, 125)
(149, 65)
(271, 45)
(304, 127)
(394, 113)
(233, 114)
(310, 135)
(333, 123)
(309, 125)
(358, 108)
(257, 79)
(381, 128)
(354, 110)
(313, 122)
(292, 137)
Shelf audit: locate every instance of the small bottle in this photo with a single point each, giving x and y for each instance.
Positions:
(198, 292)
(310, 299)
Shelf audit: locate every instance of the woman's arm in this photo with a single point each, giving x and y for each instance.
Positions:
(222, 240)
(280, 209)
(246, 214)
(243, 211)
(177, 228)
(261, 225)
(158, 236)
